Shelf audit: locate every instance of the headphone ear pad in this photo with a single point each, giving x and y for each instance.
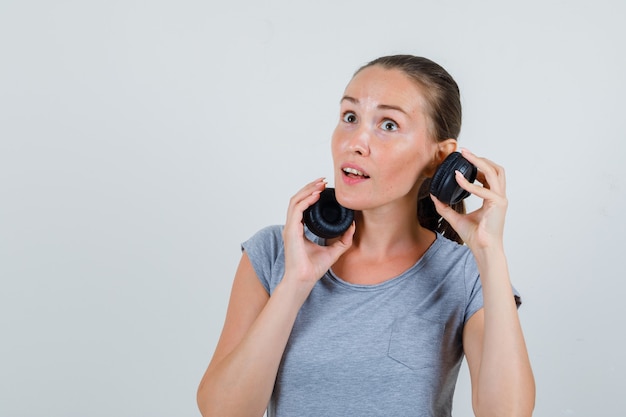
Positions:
(444, 185)
(327, 218)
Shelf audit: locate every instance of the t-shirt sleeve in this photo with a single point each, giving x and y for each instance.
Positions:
(474, 289)
(263, 248)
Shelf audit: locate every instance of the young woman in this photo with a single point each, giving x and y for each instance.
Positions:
(376, 322)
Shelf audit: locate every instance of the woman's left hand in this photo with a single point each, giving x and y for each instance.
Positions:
(483, 227)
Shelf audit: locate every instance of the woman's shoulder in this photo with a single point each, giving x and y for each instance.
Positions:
(270, 231)
(268, 238)
(450, 256)
(265, 250)
(449, 247)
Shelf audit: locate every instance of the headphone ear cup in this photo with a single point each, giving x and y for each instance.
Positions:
(444, 185)
(327, 218)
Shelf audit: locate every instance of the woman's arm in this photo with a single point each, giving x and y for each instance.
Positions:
(240, 378)
(502, 379)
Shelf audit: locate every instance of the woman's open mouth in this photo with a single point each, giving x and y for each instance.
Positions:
(354, 173)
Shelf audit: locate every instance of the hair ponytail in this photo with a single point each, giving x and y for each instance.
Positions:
(430, 219)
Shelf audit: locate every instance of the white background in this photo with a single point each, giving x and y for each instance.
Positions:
(142, 141)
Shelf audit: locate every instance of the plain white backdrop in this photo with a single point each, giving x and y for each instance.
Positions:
(142, 141)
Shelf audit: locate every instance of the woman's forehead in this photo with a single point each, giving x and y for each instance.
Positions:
(387, 87)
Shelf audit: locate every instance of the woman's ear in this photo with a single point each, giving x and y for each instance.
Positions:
(444, 148)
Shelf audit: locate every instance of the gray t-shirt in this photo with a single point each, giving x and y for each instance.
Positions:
(390, 349)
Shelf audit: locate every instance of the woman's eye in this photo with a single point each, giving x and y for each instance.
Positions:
(389, 125)
(349, 117)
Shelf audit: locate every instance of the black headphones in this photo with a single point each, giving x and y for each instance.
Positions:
(328, 219)
(444, 185)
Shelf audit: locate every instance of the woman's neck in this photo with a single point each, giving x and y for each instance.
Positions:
(387, 229)
(386, 243)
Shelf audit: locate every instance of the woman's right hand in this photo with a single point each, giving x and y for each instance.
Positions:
(305, 261)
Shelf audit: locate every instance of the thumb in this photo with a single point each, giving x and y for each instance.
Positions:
(344, 242)
(447, 212)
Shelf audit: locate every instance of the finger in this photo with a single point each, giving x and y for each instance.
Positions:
(486, 194)
(303, 199)
(312, 188)
(305, 191)
(490, 174)
(483, 192)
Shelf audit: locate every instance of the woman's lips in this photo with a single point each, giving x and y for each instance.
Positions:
(353, 174)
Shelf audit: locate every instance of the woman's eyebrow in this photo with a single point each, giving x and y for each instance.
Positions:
(350, 99)
(392, 107)
(380, 106)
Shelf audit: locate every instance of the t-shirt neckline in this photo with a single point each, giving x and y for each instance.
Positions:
(391, 281)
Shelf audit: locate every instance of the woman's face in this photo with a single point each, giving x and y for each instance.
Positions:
(381, 146)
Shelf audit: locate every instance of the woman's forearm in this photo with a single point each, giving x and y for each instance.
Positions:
(505, 383)
(241, 383)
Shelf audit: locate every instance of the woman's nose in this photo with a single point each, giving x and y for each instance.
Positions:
(359, 141)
